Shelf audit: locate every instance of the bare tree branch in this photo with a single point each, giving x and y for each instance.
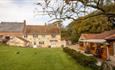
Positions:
(74, 8)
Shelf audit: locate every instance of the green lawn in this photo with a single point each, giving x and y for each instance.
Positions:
(15, 58)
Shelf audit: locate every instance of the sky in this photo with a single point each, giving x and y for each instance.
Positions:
(20, 10)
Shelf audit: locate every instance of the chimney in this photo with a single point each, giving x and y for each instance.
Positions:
(24, 26)
(24, 21)
(45, 27)
(57, 24)
(45, 24)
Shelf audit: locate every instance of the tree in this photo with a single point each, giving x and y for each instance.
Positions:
(53, 8)
(58, 9)
(100, 6)
(84, 22)
(95, 24)
(72, 9)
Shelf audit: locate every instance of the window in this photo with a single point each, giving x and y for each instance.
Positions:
(1, 36)
(53, 35)
(35, 35)
(25, 36)
(34, 43)
(81, 44)
(41, 42)
(7, 37)
(92, 48)
(53, 41)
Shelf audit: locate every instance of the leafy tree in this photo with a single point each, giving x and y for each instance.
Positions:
(99, 5)
(101, 20)
(95, 24)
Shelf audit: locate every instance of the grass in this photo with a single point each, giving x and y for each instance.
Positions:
(15, 58)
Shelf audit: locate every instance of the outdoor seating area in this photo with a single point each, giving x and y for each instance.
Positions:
(100, 45)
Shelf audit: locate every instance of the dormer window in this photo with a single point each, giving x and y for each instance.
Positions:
(41, 42)
(25, 35)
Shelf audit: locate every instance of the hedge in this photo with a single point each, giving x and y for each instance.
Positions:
(81, 58)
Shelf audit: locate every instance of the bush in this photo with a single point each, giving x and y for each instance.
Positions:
(81, 58)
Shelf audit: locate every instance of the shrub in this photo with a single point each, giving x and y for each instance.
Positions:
(81, 58)
(17, 52)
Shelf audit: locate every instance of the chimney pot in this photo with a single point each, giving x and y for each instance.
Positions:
(25, 21)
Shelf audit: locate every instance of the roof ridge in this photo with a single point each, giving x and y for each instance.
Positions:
(11, 22)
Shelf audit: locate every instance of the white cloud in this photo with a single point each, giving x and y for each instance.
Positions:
(16, 11)
(19, 10)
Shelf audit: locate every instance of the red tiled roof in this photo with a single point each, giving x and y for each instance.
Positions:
(40, 29)
(110, 37)
(87, 36)
(103, 35)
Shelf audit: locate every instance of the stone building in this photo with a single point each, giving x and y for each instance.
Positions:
(30, 35)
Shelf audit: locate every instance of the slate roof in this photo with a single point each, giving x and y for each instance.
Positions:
(42, 29)
(11, 27)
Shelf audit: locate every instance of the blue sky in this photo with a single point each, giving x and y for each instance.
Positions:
(19, 10)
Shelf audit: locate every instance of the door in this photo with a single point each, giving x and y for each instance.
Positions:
(53, 43)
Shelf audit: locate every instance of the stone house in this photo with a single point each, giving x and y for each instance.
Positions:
(43, 35)
(18, 41)
(31, 35)
(11, 31)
